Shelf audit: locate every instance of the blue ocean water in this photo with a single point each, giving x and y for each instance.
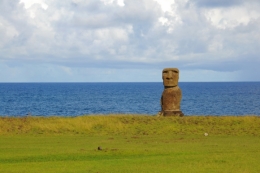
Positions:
(71, 99)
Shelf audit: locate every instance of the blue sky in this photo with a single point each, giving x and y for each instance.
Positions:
(129, 40)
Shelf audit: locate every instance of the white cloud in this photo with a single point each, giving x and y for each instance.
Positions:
(166, 5)
(72, 36)
(29, 3)
(232, 17)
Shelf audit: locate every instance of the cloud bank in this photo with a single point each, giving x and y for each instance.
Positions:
(131, 40)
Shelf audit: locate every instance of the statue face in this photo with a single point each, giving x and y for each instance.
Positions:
(170, 77)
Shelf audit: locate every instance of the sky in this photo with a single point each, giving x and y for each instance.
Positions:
(129, 40)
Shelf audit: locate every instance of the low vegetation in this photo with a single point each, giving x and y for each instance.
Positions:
(131, 124)
(130, 143)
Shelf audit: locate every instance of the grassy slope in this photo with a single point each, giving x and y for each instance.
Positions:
(130, 124)
(130, 144)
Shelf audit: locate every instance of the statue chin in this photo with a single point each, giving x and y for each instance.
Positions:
(166, 84)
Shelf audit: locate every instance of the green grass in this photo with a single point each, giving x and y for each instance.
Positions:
(130, 144)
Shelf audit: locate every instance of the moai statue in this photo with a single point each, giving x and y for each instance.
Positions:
(171, 96)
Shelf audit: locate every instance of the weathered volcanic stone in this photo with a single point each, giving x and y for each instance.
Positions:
(170, 77)
(171, 96)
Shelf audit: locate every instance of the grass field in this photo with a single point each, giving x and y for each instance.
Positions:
(130, 143)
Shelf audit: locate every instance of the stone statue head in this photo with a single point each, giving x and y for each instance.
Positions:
(170, 77)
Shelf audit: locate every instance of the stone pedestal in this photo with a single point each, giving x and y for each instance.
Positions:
(173, 113)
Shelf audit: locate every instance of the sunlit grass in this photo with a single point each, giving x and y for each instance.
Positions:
(131, 124)
(130, 143)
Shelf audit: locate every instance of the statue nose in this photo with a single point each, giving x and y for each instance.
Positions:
(169, 75)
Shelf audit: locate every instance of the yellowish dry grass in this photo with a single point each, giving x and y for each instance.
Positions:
(131, 124)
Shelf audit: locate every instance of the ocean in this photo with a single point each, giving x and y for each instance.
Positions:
(74, 99)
